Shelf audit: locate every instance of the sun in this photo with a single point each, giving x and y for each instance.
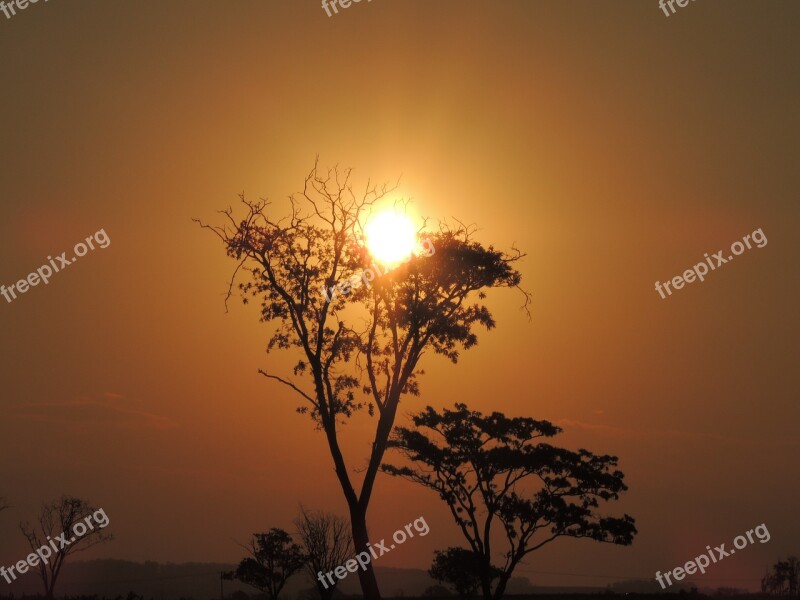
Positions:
(391, 237)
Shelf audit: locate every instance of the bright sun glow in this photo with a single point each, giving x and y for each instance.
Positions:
(391, 237)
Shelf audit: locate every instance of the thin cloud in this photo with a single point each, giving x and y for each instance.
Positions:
(672, 434)
(108, 409)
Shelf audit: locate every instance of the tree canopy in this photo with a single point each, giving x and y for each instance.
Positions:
(273, 559)
(783, 577)
(461, 568)
(495, 469)
(360, 349)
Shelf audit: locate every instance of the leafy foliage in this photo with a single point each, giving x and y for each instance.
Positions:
(461, 568)
(783, 578)
(274, 559)
(359, 349)
(481, 466)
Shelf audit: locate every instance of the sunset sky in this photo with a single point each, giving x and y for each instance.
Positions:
(613, 145)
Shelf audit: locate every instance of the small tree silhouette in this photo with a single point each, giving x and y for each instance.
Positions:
(791, 567)
(783, 578)
(58, 519)
(769, 583)
(481, 469)
(460, 568)
(425, 304)
(274, 559)
(326, 545)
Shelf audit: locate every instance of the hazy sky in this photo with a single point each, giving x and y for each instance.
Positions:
(612, 144)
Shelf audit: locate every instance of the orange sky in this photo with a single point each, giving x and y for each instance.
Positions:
(612, 144)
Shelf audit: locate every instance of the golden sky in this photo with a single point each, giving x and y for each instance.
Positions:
(614, 145)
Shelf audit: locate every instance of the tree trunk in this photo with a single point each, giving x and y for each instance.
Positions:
(486, 586)
(501, 585)
(369, 584)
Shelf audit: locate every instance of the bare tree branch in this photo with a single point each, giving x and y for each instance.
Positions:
(428, 303)
(69, 520)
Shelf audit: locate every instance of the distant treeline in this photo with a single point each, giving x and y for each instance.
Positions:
(721, 594)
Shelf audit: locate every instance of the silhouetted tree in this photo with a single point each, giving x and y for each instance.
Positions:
(768, 582)
(782, 576)
(783, 579)
(460, 568)
(273, 559)
(59, 521)
(326, 544)
(422, 304)
(480, 471)
(791, 568)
